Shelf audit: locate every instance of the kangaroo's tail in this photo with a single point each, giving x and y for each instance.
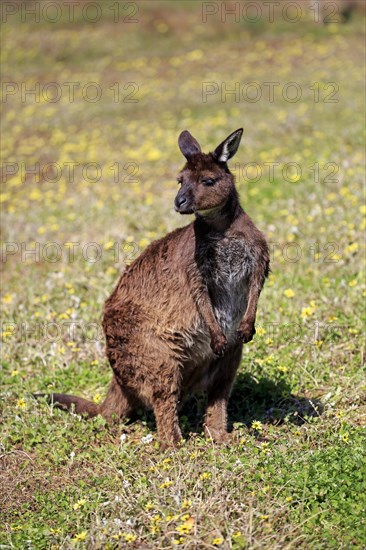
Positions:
(65, 402)
(117, 404)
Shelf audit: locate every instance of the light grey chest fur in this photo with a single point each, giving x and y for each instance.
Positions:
(228, 265)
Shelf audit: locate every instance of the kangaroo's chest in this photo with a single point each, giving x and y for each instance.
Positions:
(226, 266)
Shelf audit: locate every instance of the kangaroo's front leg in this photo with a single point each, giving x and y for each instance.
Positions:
(246, 329)
(218, 338)
(204, 305)
(215, 424)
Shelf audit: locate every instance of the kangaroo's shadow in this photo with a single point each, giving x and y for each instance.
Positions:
(269, 401)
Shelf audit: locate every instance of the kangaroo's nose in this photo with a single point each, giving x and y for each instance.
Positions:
(179, 201)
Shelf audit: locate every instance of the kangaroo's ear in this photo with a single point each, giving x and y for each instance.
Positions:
(228, 147)
(188, 145)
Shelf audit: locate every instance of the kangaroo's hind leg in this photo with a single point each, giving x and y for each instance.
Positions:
(118, 403)
(164, 394)
(166, 414)
(219, 391)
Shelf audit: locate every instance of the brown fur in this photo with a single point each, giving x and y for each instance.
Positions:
(178, 317)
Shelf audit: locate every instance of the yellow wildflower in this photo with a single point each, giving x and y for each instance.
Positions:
(186, 504)
(156, 519)
(172, 518)
(143, 242)
(79, 504)
(153, 154)
(307, 312)
(351, 248)
(80, 537)
(130, 538)
(187, 525)
(184, 529)
(167, 483)
(257, 425)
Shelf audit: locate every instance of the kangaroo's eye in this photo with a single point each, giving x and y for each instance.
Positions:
(208, 181)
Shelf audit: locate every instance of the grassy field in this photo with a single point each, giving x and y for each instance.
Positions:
(105, 158)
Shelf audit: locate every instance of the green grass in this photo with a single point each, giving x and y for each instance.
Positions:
(293, 474)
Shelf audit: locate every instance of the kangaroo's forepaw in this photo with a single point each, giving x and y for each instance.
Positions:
(218, 343)
(246, 331)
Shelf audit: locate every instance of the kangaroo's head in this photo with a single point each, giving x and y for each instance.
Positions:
(206, 181)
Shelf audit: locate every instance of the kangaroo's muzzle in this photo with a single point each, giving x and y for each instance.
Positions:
(183, 204)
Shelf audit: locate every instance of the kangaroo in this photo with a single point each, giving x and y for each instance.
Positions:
(177, 320)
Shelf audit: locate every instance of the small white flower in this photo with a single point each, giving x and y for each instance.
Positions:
(72, 455)
(123, 438)
(147, 438)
